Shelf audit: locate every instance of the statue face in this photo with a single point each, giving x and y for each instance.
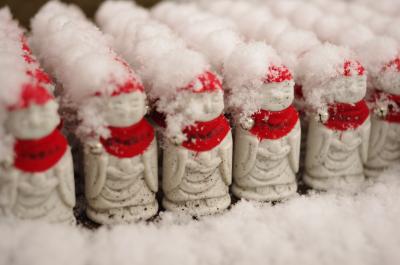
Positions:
(125, 109)
(277, 96)
(204, 106)
(33, 122)
(350, 89)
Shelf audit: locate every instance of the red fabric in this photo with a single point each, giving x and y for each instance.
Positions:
(204, 136)
(40, 155)
(40, 76)
(206, 82)
(394, 63)
(129, 86)
(393, 114)
(277, 74)
(32, 94)
(344, 116)
(274, 124)
(129, 141)
(25, 46)
(350, 66)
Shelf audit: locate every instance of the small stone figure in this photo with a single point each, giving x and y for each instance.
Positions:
(267, 151)
(384, 147)
(39, 182)
(338, 136)
(197, 172)
(121, 170)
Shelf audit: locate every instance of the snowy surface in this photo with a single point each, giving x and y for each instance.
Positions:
(326, 228)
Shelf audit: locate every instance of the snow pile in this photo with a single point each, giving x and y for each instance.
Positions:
(319, 66)
(162, 60)
(245, 73)
(284, 8)
(329, 27)
(80, 58)
(326, 228)
(354, 35)
(392, 29)
(18, 68)
(213, 36)
(293, 44)
(244, 66)
(305, 16)
(379, 56)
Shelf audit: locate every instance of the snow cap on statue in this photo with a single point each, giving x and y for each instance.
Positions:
(380, 56)
(248, 68)
(292, 44)
(321, 65)
(207, 82)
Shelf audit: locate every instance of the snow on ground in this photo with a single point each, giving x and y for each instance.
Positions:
(325, 228)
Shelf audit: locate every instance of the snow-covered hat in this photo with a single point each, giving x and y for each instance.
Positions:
(205, 83)
(322, 64)
(246, 70)
(380, 57)
(293, 44)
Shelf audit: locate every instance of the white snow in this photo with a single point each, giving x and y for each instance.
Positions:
(162, 60)
(319, 228)
(317, 67)
(81, 59)
(376, 53)
(13, 75)
(244, 73)
(305, 16)
(292, 44)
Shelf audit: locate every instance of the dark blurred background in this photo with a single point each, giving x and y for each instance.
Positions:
(23, 10)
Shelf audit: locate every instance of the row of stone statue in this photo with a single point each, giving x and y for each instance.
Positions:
(343, 145)
(121, 176)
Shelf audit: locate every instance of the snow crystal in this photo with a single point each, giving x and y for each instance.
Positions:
(326, 228)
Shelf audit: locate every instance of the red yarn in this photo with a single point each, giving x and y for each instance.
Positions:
(208, 82)
(32, 94)
(204, 136)
(343, 116)
(274, 124)
(350, 66)
(40, 155)
(129, 141)
(278, 74)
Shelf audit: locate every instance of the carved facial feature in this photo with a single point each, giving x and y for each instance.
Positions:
(277, 96)
(204, 106)
(33, 122)
(349, 89)
(125, 109)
